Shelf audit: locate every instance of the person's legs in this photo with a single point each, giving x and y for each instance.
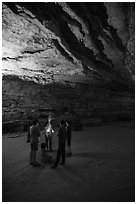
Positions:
(69, 150)
(34, 157)
(31, 157)
(63, 154)
(46, 141)
(57, 158)
(69, 145)
(32, 154)
(50, 142)
(34, 150)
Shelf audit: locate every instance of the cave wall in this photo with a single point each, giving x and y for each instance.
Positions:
(23, 101)
(77, 57)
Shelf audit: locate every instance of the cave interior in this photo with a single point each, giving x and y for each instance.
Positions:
(73, 60)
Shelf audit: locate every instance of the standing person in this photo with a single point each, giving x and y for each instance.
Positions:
(68, 135)
(49, 134)
(34, 134)
(61, 145)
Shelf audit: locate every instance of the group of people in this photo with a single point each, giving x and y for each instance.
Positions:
(63, 134)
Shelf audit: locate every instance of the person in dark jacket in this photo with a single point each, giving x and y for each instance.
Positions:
(61, 145)
(68, 135)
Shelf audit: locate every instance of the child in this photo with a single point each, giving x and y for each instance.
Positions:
(44, 154)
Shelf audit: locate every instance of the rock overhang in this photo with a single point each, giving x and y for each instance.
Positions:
(53, 40)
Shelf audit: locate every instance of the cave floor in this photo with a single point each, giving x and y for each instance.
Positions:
(100, 170)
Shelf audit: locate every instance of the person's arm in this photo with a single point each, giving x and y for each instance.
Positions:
(58, 133)
(52, 130)
(30, 129)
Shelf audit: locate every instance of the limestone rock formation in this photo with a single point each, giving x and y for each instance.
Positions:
(67, 56)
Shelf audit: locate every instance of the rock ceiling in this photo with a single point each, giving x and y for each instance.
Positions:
(76, 42)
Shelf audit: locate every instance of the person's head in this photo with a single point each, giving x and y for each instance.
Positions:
(43, 145)
(62, 123)
(35, 122)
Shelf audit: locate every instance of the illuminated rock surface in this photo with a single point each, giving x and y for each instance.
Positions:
(68, 56)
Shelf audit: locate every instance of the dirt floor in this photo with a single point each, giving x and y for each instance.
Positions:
(101, 169)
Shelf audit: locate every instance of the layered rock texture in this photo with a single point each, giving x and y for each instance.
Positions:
(68, 57)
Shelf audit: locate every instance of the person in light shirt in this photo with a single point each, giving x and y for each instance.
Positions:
(49, 134)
